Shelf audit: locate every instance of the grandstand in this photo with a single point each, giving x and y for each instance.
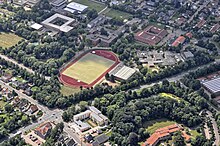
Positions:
(122, 72)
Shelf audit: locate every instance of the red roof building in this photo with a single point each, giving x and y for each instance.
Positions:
(164, 133)
(178, 41)
(200, 23)
(189, 35)
(33, 108)
(214, 28)
(151, 35)
(43, 130)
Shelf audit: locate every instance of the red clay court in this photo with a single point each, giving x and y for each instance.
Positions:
(88, 69)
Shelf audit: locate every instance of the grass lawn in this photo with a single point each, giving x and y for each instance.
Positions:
(8, 39)
(109, 133)
(91, 123)
(4, 12)
(194, 133)
(2, 104)
(153, 125)
(170, 96)
(91, 4)
(66, 91)
(118, 14)
(35, 88)
(88, 68)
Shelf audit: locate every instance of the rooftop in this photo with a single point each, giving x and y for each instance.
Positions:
(64, 27)
(213, 85)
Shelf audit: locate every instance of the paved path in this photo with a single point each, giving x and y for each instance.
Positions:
(103, 10)
(176, 77)
(196, 13)
(20, 65)
(215, 127)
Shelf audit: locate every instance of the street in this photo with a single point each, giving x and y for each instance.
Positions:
(48, 115)
(215, 127)
(20, 65)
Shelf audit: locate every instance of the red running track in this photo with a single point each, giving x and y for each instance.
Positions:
(66, 80)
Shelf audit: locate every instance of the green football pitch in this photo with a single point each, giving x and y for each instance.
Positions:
(88, 68)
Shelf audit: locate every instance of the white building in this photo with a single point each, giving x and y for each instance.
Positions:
(92, 113)
(75, 7)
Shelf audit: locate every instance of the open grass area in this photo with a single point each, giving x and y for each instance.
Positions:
(118, 14)
(2, 104)
(91, 123)
(194, 134)
(5, 13)
(88, 68)
(91, 4)
(170, 96)
(153, 125)
(66, 91)
(8, 39)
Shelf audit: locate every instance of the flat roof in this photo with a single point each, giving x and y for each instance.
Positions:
(213, 85)
(96, 117)
(65, 27)
(77, 6)
(36, 26)
(95, 110)
(125, 73)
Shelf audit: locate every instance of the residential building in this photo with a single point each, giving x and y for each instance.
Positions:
(179, 41)
(44, 130)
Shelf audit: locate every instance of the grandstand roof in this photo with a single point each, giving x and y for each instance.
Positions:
(122, 72)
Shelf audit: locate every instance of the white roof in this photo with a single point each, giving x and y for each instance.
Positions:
(65, 27)
(36, 26)
(95, 110)
(213, 85)
(77, 6)
(125, 73)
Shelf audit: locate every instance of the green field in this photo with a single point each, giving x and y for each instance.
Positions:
(170, 96)
(88, 68)
(153, 125)
(91, 4)
(66, 91)
(118, 14)
(8, 39)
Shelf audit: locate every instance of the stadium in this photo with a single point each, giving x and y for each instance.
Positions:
(88, 69)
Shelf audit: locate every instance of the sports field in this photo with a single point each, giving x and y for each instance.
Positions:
(88, 68)
(7, 41)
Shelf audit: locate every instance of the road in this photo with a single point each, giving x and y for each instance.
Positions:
(196, 13)
(20, 65)
(48, 115)
(215, 127)
(176, 77)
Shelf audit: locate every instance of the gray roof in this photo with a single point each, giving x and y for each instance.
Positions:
(123, 72)
(213, 85)
(65, 27)
(95, 110)
(96, 117)
(101, 139)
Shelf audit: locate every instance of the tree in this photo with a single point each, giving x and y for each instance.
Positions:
(133, 139)
(179, 140)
